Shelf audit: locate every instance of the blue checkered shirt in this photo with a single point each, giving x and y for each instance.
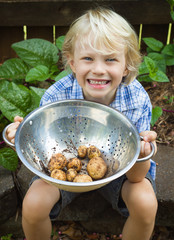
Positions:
(132, 100)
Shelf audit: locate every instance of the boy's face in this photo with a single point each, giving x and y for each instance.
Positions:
(99, 75)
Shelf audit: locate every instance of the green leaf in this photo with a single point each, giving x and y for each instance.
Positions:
(8, 159)
(159, 59)
(154, 44)
(14, 68)
(61, 75)
(168, 50)
(156, 114)
(14, 100)
(159, 76)
(37, 52)
(149, 50)
(171, 2)
(169, 60)
(172, 15)
(143, 68)
(54, 69)
(3, 122)
(144, 78)
(37, 93)
(59, 42)
(39, 73)
(151, 66)
(7, 237)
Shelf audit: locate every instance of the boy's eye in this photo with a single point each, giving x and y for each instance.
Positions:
(88, 58)
(111, 59)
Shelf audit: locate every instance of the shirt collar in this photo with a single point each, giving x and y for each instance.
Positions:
(77, 92)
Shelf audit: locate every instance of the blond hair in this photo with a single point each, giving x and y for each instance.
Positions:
(106, 32)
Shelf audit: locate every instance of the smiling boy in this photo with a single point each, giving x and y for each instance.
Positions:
(101, 49)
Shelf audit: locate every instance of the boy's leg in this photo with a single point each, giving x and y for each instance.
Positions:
(141, 202)
(37, 205)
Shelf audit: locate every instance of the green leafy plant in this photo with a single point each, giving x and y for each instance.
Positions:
(159, 56)
(7, 237)
(169, 100)
(153, 67)
(171, 3)
(37, 62)
(20, 93)
(156, 113)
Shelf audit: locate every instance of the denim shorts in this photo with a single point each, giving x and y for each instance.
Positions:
(111, 192)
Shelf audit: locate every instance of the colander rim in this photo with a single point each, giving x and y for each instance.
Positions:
(67, 183)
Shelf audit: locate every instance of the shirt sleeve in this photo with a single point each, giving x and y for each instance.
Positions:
(136, 105)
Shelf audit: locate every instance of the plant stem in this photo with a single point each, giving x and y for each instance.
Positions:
(165, 110)
(144, 74)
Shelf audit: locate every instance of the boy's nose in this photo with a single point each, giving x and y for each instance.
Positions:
(98, 68)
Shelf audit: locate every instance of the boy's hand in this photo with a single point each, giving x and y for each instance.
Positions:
(148, 136)
(11, 131)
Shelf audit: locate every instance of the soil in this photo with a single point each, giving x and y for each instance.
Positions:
(74, 231)
(161, 95)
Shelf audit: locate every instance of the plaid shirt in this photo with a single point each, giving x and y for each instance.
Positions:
(132, 100)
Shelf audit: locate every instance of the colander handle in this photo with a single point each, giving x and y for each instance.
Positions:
(4, 135)
(150, 155)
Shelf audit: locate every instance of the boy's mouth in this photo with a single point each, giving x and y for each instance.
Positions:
(98, 82)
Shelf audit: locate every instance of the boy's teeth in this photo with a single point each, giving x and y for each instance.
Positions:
(97, 82)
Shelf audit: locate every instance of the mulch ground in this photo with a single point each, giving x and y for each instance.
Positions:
(74, 231)
(162, 95)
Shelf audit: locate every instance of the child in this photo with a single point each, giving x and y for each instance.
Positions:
(101, 49)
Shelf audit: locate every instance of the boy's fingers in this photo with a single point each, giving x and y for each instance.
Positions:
(18, 119)
(11, 131)
(11, 134)
(12, 127)
(145, 149)
(149, 136)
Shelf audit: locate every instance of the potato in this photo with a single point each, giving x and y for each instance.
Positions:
(82, 151)
(93, 151)
(96, 168)
(82, 178)
(71, 174)
(75, 163)
(57, 161)
(58, 174)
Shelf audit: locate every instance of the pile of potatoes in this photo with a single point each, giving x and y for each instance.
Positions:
(69, 170)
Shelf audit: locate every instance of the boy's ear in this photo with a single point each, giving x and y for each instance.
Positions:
(126, 71)
(71, 63)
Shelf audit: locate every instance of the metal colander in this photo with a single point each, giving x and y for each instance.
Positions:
(61, 127)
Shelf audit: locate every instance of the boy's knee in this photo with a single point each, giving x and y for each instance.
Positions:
(146, 207)
(32, 208)
(140, 200)
(149, 203)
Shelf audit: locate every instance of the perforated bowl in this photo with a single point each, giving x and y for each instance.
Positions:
(61, 127)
